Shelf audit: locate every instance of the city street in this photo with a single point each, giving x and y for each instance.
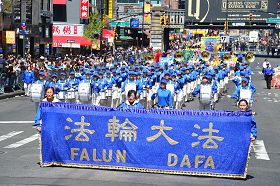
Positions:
(19, 152)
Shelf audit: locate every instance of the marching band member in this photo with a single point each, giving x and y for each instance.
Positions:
(206, 93)
(164, 96)
(131, 102)
(61, 86)
(132, 84)
(28, 78)
(49, 98)
(52, 82)
(41, 80)
(72, 85)
(243, 92)
(244, 107)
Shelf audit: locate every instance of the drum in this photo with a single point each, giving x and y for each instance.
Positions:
(37, 92)
(102, 95)
(115, 93)
(188, 88)
(245, 94)
(84, 92)
(170, 87)
(205, 94)
(129, 86)
(109, 93)
(71, 94)
(61, 95)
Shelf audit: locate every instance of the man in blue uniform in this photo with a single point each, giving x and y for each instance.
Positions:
(164, 96)
(268, 73)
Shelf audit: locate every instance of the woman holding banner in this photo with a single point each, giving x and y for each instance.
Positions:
(49, 98)
(244, 107)
(131, 102)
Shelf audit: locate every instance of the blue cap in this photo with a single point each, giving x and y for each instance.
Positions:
(42, 74)
(245, 80)
(179, 73)
(95, 75)
(165, 73)
(108, 72)
(72, 73)
(166, 64)
(63, 74)
(54, 75)
(163, 81)
(131, 73)
(183, 69)
(88, 72)
(173, 75)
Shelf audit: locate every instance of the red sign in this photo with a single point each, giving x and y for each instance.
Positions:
(84, 6)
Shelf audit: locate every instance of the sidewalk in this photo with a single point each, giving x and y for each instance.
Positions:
(11, 94)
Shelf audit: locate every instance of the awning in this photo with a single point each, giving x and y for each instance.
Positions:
(59, 2)
(107, 33)
(70, 41)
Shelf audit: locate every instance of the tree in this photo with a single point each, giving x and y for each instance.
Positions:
(94, 27)
(7, 6)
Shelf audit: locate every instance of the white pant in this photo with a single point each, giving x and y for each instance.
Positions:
(27, 88)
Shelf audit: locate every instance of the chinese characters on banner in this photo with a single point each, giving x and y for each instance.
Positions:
(68, 30)
(84, 6)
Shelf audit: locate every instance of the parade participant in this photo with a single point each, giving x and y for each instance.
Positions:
(41, 80)
(132, 84)
(131, 102)
(49, 98)
(72, 82)
(268, 74)
(28, 78)
(62, 84)
(244, 107)
(243, 92)
(164, 96)
(206, 92)
(52, 82)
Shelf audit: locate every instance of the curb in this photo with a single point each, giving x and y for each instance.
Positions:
(12, 94)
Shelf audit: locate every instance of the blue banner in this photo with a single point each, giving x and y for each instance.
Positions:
(187, 142)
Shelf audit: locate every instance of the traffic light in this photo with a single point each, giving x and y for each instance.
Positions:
(225, 27)
(250, 16)
(166, 20)
(162, 21)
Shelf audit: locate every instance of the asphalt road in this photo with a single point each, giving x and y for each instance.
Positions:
(19, 151)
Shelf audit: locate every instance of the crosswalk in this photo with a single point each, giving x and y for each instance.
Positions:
(24, 141)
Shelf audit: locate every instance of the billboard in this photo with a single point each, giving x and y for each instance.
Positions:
(60, 29)
(231, 10)
(84, 9)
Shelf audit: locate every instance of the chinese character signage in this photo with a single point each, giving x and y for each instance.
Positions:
(205, 143)
(110, 9)
(10, 37)
(68, 30)
(84, 9)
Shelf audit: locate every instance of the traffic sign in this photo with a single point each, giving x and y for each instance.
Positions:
(273, 20)
(134, 23)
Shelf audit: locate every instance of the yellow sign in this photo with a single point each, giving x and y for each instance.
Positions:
(10, 37)
(147, 11)
(110, 9)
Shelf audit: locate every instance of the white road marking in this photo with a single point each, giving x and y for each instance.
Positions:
(260, 151)
(4, 122)
(9, 135)
(23, 142)
(259, 72)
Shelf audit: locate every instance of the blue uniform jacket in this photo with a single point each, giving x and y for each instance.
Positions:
(164, 98)
(127, 105)
(268, 71)
(236, 93)
(28, 77)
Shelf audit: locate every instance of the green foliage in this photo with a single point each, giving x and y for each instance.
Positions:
(7, 6)
(94, 27)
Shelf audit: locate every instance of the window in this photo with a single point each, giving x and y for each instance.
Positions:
(59, 13)
(49, 5)
(42, 4)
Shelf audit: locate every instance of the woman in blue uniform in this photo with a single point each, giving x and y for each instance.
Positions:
(164, 96)
(244, 107)
(131, 102)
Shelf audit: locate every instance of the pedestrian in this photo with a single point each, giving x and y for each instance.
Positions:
(244, 107)
(131, 102)
(38, 117)
(268, 73)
